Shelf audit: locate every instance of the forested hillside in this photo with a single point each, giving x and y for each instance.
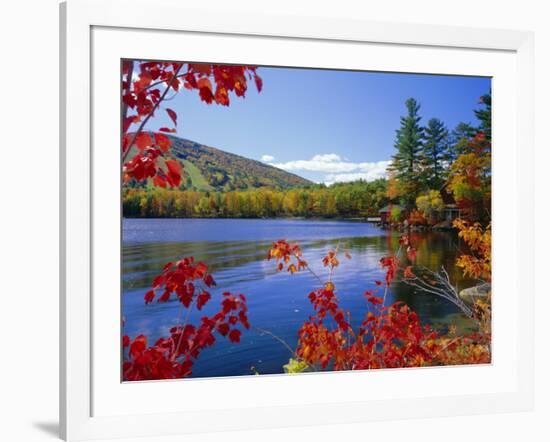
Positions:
(206, 168)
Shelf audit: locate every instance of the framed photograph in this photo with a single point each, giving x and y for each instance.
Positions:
(290, 221)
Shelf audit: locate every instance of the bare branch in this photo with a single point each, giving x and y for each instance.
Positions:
(442, 288)
(274, 336)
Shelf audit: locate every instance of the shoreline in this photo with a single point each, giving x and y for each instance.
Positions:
(285, 218)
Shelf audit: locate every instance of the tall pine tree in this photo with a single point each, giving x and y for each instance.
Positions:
(459, 138)
(406, 163)
(484, 115)
(434, 153)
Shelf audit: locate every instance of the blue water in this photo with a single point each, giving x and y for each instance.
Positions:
(236, 249)
(183, 230)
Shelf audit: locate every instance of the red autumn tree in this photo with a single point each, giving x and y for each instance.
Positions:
(173, 356)
(145, 87)
(387, 337)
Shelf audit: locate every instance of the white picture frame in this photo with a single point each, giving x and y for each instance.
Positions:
(89, 408)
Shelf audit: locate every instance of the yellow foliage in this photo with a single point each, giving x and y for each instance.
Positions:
(478, 264)
(430, 203)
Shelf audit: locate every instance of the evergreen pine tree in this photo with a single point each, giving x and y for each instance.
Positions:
(434, 152)
(406, 163)
(484, 115)
(459, 138)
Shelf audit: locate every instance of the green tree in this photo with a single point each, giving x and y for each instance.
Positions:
(484, 115)
(434, 153)
(407, 161)
(458, 140)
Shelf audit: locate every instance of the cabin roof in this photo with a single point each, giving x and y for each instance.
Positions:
(446, 196)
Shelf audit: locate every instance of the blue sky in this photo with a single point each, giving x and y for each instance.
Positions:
(324, 125)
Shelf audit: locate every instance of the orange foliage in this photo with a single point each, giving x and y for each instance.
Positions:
(388, 337)
(416, 218)
(478, 264)
(284, 254)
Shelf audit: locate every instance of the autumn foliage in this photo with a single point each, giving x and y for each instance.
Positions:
(173, 356)
(145, 87)
(387, 337)
(146, 155)
(477, 263)
(470, 178)
(288, 255)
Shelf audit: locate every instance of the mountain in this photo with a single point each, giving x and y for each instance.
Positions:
(208, 168)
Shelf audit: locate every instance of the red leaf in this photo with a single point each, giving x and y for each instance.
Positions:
(149, 296)
(205, 90)
(167, 266)
(174, 172)
(200, 68)
(209, 281)
(163, 142)
(389, 263)
(138, 346)
(374, 300)
(167, 129)
(221, 96)
(202, 299)
(143, 140)
(201, 269)
(259, 82)
(159, 181)
(173, 166)
(223, 329)
(235, 335)
(176, 84)
(164, 297)
(244, 319)
(125, 341)
(159, 279)
(144, 80)
(172, 115)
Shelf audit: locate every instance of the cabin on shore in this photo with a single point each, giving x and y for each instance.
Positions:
(451, 211)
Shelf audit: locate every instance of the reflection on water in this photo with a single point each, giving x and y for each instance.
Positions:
(236, 250)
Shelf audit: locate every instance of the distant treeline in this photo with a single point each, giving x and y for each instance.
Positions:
(357, 199)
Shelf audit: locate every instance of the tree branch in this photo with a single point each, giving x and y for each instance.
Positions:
(443, 289)
(129, 81)
(163, 81)
(150, 114)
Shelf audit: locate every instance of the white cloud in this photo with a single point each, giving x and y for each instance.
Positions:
(336, 169)
(327, 158)
(378, 170)
(267, 158)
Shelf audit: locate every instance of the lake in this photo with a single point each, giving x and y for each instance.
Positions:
(236, 250)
